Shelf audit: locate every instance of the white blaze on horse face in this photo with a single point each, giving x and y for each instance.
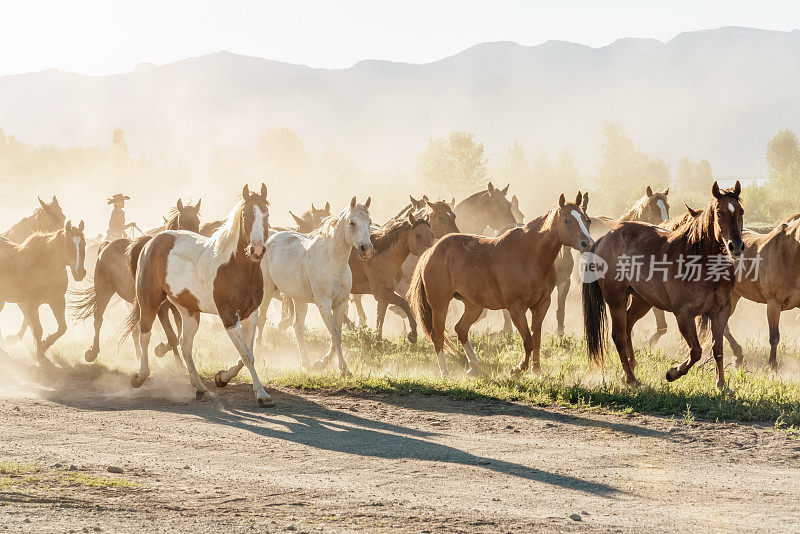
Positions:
(663, 208)
(257, 234)
(77, 241)
(582, 225)
(730, 207)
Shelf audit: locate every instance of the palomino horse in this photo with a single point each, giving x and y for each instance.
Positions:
(653, 208)
(315, 269)
(379, 275)
(220, 275)
(486, 208)
(514, 272)
(32, 273)
(688, 271)
(112, 276)
(774, 281)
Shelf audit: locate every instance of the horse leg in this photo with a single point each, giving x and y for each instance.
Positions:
(562, 290)
(146, 318)
(735, 346)
(402, 303)
(262, 318)
(688, 330)
(619, 331)
(189, 325)
(508, 324)
(381, 316)
(58, 308)
(718, 324)
(172, 339)
(16, 338)
(102, 295)
(661, 327)
(471, 314)
(638, 309)
(31, 313)
(300, 310)
(520, 320)
(339, 313)
(362, 317)
(243, 334)
(287, 312)
(537, 318)
(438, 320)
(773, 319)
(326, 312)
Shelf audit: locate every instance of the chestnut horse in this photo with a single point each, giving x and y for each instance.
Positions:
(32, 273)
(112, 276)
(775, 281)
(711, 241)
(488, 208)
(220, 275)
(379, 275)
(514, 272)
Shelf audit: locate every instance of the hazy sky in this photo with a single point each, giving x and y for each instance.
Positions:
(107, 36)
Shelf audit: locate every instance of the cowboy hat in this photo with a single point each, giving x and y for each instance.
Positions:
(118, 198)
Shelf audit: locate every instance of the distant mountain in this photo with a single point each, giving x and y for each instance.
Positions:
(719, 94)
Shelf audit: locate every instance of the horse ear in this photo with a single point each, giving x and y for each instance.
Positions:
(165, 219)
(313, 208)
(490, 187)
(428, 203)
(411, 218)
(666, 191)
(692, 212)
(425, 198)
(737, 189)
(55, 201)
(578, 199)
(263, 191)
(715, 190)
(505, 190)
(245, 192)
(180, 204)
(515, 201)
(68, 225)
(353, 203)
(414, 202)
(561, 201)
(80, 226)
(366, 204)
(197, 206)
(585, 203)
(453, 202)
(649, 191)
(42, 203)
(297, 219)
(328, 207)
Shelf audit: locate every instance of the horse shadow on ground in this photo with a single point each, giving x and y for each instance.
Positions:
(294, 418)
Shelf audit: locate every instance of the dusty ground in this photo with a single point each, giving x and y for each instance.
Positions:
(352, 463)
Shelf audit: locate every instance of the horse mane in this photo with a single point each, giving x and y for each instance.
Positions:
(384, 237)
(635, 213)
(226, 237)
(328, 226)
(543, 223)
(700, 228)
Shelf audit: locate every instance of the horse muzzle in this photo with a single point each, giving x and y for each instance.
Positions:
(256, 251)
(78, 275)
(365, 252)
(735, 248)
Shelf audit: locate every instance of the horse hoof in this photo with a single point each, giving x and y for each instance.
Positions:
(136, 382)
(412, 337)
(201, 395)
(517, 370)
(672, 374)
(91, 355)
(318, 365)
(218, 380)
(346, 373)
(161, 349)
(266, 402)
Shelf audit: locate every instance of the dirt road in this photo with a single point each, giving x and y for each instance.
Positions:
(341, 462)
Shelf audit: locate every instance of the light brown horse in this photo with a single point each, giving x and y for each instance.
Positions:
(487, 208)
(513, 271)
(311, 219)
(380, 273)
(46, 218)
(33, 273)
(775, 281)
(220, 275)
(666, 280)
(112, 276)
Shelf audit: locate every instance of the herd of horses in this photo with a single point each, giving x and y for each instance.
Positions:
(477, 251)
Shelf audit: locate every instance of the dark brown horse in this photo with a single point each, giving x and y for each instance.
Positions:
(220, 275)
(487, 208)
(112, 276)
(514, 272)
(688, 271)
(33, 273)
(379, 275)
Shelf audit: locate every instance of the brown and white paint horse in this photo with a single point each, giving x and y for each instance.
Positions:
(220, 275)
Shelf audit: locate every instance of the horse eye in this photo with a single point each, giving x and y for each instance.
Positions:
(352, 223)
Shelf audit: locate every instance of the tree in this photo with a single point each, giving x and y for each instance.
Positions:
(694, 177)
(782, 150)
(516, 166)
(453, 163)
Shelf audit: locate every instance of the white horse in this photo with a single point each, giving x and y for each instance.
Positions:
(314, 268)
(218, 274)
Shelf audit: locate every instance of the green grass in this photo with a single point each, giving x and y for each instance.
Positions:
(82, 479)
(37, 477)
